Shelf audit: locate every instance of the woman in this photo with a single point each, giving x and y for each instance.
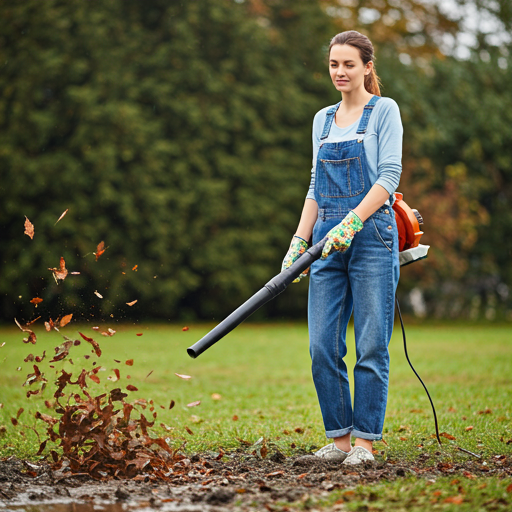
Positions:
(357, 152)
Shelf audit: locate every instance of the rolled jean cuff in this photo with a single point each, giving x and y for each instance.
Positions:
(330, 434)
(365, 435)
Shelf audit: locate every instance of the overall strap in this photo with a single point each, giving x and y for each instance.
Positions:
(367, 112)
(329, 118)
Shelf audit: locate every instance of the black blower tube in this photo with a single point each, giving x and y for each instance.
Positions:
(272, 289)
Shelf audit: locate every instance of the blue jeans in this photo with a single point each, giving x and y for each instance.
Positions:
(362, 280)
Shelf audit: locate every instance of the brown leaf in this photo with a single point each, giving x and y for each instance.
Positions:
(31, 336)
(185, 328)
(94, 378)
(135, 268)
(64, 213)
(275, 473)
(129, 362)
(29, 228)
(457, 500)
(65, 320)
(235, 417)
(131, 388)
(171, 405)
(194, 404)
(299, 430)
(139, 334)
(20, 411)
(485, 411)
(467, 429)
(62, 351)
(61, 272)
(95, 345)
(14, 421)
(509, 488)
(447, 436)
(189, 431)
(36, 301)
(131, 303)
(185, 377)
(100, 249)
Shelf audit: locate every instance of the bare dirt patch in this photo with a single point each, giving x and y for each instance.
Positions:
(239, 481)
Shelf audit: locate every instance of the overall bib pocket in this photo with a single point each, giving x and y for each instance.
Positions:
(341, 178)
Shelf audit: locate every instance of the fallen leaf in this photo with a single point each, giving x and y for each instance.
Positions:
(509, 488)
(171, 405)
(299, 430)
(467, 429)
(235, 418)
(100, 249)
(95, 378)
(98, 294)
(36, 301)
(485, 411)
(216, 396)
(194, 404)
(457, 500)
(469, 475)
(29, 228)
(135, 268)
(129, 362)
(275, 473)
(185, 377)
(185, 328)
(65, 320)
(131, 388)
(131, 303)
(447, 436)
(189, 431)
(64, 213)
(61, 272)
(139, 334)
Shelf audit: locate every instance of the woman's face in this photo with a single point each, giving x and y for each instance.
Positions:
(347, 69)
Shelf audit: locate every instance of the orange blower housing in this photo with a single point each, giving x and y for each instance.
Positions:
(408, 222)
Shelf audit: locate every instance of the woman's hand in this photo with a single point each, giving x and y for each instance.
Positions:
(298, 247)
(340, 237)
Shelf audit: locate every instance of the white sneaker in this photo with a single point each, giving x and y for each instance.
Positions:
(331, 452)
(357, 455)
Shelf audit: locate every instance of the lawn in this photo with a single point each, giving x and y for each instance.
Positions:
(256, 383)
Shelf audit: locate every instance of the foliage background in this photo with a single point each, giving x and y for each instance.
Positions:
(180, 134)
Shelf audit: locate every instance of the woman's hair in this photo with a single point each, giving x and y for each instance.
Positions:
(365, 47)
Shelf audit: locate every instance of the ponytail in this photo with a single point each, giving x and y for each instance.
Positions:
(372, 82)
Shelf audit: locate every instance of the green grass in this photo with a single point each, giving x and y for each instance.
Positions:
(262, 373)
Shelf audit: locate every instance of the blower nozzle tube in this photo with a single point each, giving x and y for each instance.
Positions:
(273, 288)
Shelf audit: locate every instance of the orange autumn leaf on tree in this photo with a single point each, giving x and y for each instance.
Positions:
(100, 250)
(61, 272)
(29, 228)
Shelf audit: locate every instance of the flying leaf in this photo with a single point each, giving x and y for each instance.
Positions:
(65, 320)
(131, 388)
(135, 268)
(98, 294)
(64, 213)
(171, 405)
(467, 429)
(61, 272)
(189, 431)
(186, 328)
(131, 303)
(186, 377)
(194, 404)
(129, 362)
(29, 228)
(216, 396)
(100, 250)
(94, 378)
(36, 301)
(139, 334)
(31, 336)
(95, 345)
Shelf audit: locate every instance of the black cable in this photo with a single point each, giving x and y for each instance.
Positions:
(416, 373)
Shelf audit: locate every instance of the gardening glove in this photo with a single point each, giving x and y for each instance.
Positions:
(340, 237)
(298, 247)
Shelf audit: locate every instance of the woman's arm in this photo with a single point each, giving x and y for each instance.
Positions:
(372, 201)
(307, 219)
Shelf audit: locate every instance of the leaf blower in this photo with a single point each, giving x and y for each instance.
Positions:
(409, 224)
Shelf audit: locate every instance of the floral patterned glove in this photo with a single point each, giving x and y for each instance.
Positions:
(340, 237)
(297, 248)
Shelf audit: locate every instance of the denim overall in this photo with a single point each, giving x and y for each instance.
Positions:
(361, 280)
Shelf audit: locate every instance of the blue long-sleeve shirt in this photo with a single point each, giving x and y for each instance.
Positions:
(382, 143)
